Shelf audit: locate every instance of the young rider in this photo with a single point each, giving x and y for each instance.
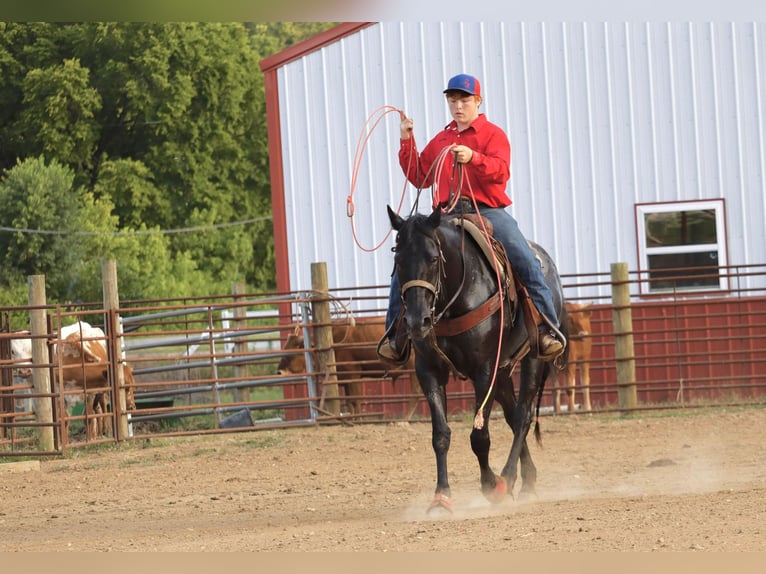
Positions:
(484, 151)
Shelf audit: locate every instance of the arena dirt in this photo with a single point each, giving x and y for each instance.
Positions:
(692, 481)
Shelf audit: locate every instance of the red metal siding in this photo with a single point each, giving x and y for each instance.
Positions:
(685, 350)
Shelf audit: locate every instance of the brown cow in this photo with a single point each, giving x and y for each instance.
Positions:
(580, 346)
(355, 357)
(84, 365)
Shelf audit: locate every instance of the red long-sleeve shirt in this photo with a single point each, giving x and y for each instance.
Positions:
(486, 175)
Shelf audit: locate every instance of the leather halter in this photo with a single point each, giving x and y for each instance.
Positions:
(420, 283)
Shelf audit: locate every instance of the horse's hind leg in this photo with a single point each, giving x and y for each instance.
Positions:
(507, 401)
(518, 415)
(492, 486)
(528, 472)
(519, 456)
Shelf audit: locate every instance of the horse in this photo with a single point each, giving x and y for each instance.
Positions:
(580, 350)
(445, 278)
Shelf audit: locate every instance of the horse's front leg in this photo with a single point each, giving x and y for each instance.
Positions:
(492, 486)
(433, 382)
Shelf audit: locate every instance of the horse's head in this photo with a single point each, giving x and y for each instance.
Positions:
(419, 264)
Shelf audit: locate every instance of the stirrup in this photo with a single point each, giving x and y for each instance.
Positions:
(388, 353)
(553, 349)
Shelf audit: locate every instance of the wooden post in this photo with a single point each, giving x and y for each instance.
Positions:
(323, 335)
(114, 329)
(41, 378)
(622, 324)
(240, 346)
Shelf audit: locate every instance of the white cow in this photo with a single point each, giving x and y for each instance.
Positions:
(21, 355)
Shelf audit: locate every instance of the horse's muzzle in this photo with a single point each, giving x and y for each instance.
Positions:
(418, 328)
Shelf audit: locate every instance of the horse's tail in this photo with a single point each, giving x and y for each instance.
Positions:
(540, 389)
(560, 362)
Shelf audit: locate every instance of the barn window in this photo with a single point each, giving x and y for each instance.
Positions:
(682, 246)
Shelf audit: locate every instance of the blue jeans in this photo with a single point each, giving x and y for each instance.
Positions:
(522, 259)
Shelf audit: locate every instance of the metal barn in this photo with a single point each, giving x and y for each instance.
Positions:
(631, 142)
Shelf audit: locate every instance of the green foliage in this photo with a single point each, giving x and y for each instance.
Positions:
(37, 196)
(117, 136)
(60, 108)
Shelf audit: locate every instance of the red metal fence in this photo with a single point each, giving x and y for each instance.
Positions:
(686, 350)
(209, 365)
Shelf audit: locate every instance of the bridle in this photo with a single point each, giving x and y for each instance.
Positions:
(435, 289)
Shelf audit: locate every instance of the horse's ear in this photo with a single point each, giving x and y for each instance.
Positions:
(435, 218)
(396, 221)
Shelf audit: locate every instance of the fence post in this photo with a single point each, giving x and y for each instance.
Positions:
(240, 346)
(622, 324)
(320, 304)
(41, 378)
(114, 329)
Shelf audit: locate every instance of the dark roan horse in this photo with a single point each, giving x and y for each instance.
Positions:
(444, 276)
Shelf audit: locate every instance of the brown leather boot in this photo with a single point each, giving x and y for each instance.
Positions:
(549, 347)
(395, 351)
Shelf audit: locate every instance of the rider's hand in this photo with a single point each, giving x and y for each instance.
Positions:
(463, 154)
(406, 128)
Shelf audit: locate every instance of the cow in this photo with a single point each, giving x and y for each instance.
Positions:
(20, 352)
(580, 347)
(354, 343)
(84, 365)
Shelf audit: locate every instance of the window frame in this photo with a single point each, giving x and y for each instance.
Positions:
(718, 205)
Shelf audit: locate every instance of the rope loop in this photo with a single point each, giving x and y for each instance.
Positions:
(368, 128)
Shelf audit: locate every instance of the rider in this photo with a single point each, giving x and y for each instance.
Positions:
(484, 151)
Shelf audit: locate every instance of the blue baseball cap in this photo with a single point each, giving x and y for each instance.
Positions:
(464, 83)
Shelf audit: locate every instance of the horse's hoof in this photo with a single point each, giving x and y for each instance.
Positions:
(498, 494)
(440, 500)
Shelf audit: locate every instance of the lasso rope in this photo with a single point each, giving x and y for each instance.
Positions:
(369, 126)
(478, 421)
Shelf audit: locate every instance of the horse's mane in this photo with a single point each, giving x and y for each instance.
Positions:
(417, 223)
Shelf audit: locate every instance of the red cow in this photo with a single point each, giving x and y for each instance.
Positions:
(580, 347)
(354, 343)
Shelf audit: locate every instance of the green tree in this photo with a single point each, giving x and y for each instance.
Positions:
(49, 227)
(59, 107)
(39, 200)
(163, 127)
(137, 200)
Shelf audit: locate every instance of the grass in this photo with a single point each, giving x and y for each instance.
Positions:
(262, 440)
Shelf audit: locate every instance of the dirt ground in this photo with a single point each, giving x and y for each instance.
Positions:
(670, 481)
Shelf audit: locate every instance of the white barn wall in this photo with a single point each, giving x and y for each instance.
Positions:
(600, 116)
